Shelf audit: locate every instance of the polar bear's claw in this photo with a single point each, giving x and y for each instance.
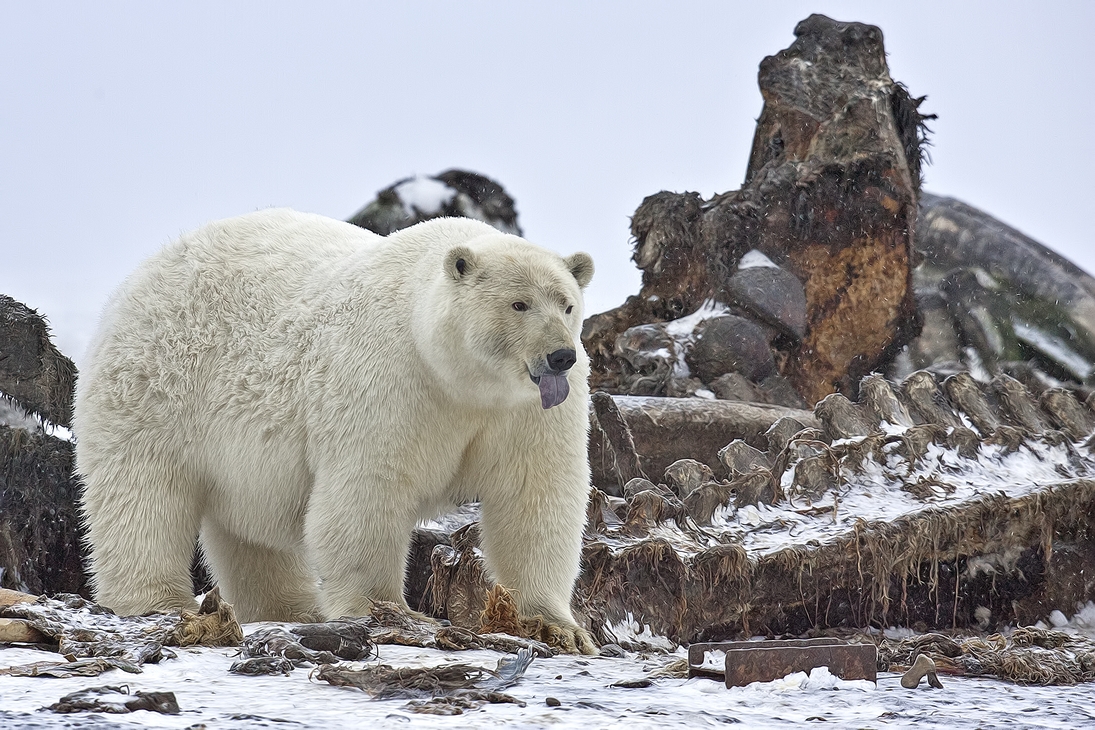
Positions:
(570, 640)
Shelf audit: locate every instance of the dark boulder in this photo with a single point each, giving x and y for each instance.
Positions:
(450, 193)
(773, 296)
(728, 344)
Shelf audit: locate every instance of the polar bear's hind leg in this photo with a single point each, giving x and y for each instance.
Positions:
(142, 524)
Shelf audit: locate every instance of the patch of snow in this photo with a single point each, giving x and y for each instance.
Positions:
(755, 259)
(714, 660)
(684, 326)
(820, 678)
(637, 632)
(424, 195)
(943, 225)
(705, 393)
(59, 432)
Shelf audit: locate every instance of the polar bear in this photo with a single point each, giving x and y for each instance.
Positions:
(296, 393)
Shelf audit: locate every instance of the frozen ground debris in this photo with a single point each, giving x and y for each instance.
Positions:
(116, 700)
(447, 689)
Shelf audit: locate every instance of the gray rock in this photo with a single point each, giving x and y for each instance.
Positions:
(740, 458)
(842, 418)
(876, 395)
(610, 650)
(685, 475)
(1067, 412)
(729, 343)
(772, 295)
(1020, 407)
(965, 393)
(781, 432)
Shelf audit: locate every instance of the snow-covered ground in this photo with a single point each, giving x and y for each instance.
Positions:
(210, 697)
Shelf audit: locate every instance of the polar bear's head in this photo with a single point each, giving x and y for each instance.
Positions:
(516, 314)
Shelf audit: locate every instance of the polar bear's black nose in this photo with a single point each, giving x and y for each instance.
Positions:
(561, 360)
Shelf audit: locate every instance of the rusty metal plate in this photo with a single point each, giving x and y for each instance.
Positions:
(744, 662)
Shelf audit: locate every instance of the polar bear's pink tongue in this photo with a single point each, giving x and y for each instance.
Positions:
(553, 389)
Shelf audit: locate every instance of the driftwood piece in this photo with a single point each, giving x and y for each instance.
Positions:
(617, 443)
(10, 597)
(32, 370)
(16, 630)
(830, 194)
(664, 430)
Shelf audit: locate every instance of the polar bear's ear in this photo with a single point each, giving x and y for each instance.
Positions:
(459, 262)
(581, 266)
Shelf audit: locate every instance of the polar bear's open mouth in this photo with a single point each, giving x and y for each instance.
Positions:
(554, 388)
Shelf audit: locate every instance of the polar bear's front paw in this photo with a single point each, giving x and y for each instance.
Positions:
(570, 639)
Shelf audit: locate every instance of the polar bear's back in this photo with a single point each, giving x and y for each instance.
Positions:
(223, 293)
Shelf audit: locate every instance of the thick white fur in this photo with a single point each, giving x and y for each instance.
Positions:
(299, 392)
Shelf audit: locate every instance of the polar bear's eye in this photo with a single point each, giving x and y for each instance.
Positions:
(520, 306)
(570, 309)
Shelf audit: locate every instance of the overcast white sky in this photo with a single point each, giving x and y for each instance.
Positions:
(123, 124)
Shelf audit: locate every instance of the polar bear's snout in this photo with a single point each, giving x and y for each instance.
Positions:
(561, 360)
